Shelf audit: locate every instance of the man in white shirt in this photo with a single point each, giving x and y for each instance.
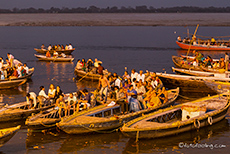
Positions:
(134, 74)
(141, 76)
(96, 63)
(70, 47)
(117, 81)
(49, 47)
(42, 97)
(31, 99)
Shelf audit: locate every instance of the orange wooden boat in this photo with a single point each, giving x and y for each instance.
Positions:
(202, 47)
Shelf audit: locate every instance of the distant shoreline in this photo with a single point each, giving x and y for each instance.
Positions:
(116, 19)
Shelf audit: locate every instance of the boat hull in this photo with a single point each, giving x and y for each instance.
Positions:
(59, 59)
(7, 134)
(86, 76)
(201, 47)
(15, 113)
(6, 84)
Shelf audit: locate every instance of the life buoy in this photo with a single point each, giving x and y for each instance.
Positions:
(219, 87)
(197, 123)
(210, 121)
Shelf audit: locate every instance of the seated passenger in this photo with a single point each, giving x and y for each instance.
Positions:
(72, 102)
(63, 55)
(43, 46)
(42, 97)
(49, 47)
(83, 63)
(134, 104)
(121, 100)
(26, 68)
(70, 47)
(100, 69)
(2, 74)
(154, 100)
(79, 65)
(51, 92)
(90, 64)
(55, 54)
(97, 62)
(161, 95)
(48, 54)
(179, 39)
(86, 99)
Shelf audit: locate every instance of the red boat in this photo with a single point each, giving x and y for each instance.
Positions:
(202, 47)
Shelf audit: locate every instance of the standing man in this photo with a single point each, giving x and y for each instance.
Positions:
(226, 61)
(104, 83)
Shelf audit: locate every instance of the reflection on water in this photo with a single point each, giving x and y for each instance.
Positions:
(116, 142)
(10, 96)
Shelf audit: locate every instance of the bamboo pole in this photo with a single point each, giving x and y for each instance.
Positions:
(192, 40)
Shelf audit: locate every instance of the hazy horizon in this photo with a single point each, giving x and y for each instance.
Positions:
(45, 4)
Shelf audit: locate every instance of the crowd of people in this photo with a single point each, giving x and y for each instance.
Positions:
(209, 42)
(63, 102)
(12, 68)
(58, 47)
(200, 60)
(133, 92)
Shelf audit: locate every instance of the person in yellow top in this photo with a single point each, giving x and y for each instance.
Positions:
(66, 47)
(154, 100)
(61, 105)
(213, 41)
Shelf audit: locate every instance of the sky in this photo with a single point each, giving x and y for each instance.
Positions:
(9, 4)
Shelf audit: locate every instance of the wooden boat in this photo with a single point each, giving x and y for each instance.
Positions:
(20, 111)
(103, 117)
(53, 59)
(177, 119)
(90, 76)
(43, 51)
(5, 84)
(45, 120)
(15, 82)
(189, 85)
(7, 133)
(202, 47)
(192, 72)
(179, 62)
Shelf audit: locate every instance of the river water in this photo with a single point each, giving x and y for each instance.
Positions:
(146, 48)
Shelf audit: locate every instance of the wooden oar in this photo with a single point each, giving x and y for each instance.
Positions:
(192, 40)
(86, 74)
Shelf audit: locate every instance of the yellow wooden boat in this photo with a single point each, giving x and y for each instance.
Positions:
(7, 133)
(104, 117)
(178, 119)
